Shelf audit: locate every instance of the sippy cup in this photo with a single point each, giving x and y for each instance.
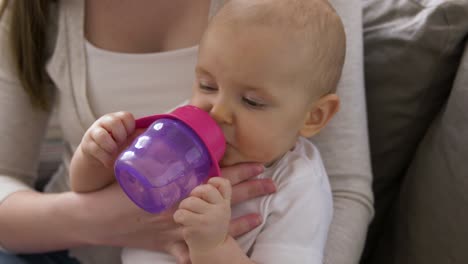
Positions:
(177, 152)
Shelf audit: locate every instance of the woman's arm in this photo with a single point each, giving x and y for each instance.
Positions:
(36, 222)
(345, 149)
(33, 222)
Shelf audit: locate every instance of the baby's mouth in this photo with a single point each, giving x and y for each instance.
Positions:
(229, 145)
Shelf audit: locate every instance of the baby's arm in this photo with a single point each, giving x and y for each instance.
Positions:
(205, 217)
(91, 167)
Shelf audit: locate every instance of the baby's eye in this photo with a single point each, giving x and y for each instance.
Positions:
(253, 103)
(207, 88)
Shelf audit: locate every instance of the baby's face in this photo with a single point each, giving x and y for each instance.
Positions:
(252, 84)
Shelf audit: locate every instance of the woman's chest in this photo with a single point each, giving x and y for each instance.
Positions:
(145, 26)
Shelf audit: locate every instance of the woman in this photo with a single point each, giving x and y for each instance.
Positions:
(127, 49)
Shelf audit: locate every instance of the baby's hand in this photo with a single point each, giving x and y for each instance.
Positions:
(205, 215)
(104, 138)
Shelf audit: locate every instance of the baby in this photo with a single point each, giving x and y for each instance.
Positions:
(267, 72)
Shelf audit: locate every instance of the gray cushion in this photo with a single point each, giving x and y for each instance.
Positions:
(432, 214)
(412, 52)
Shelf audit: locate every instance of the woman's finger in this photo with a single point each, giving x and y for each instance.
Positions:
(242, 172)
(244, 224)
(251, 189)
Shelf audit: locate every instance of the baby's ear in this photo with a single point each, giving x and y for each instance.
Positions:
(320, 114)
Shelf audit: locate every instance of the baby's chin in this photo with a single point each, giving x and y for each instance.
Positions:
(231, 160)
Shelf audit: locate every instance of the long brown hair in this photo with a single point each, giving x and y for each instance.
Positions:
(28, 44)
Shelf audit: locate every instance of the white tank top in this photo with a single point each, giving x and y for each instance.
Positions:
(142, 84)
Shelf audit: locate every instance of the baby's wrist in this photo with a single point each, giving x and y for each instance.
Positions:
(219, 253)
(201, 251)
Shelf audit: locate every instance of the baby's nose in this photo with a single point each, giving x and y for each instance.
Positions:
(221, 113)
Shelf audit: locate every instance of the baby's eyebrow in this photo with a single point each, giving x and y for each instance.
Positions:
(263, 91)
(261, 88)
(201, 71)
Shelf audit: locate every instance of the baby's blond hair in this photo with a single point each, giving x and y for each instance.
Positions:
(314, 24)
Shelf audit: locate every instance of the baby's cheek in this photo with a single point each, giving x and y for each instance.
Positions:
(258, 152)
(266, 150)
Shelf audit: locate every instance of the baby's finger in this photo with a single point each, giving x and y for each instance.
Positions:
(115, 127)
(127, 120)
(103, 139)
(208, 193)
(223, 186)
(185, 217)
(92, 149)
(194, 204)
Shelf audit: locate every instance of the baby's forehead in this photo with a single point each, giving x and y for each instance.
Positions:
(310, 30)
(305, 23)
(294, 14)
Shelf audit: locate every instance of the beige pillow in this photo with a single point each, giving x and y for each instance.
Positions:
(412, 52)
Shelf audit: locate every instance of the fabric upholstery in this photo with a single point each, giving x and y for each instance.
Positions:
(412, 53)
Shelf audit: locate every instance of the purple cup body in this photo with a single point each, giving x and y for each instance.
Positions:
(163, 165)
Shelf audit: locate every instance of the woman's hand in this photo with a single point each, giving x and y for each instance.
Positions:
(109, 218)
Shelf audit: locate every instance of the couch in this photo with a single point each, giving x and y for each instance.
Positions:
(416, 72)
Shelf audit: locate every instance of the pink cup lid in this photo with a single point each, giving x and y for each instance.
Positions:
(202, 124)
